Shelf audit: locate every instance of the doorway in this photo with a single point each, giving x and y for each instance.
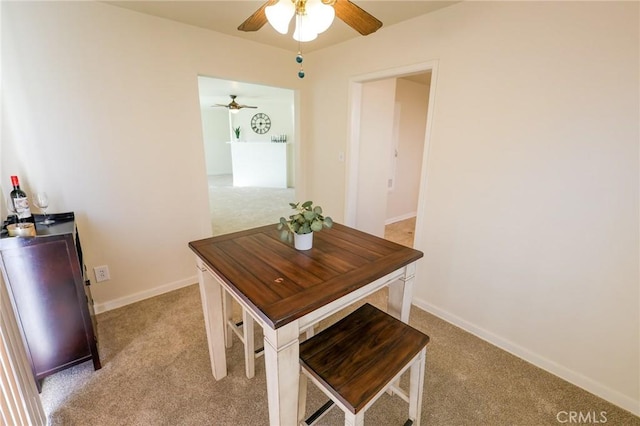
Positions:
(241, 194)
(390, 113)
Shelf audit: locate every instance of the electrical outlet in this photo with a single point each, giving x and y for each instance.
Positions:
(102, 273)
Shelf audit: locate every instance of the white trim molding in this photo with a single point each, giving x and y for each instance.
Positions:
(534, 358)
(136, 297)
(400, 218)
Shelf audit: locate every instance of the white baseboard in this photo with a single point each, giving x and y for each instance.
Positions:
(123, 301)
(399, 218)
(552, 367)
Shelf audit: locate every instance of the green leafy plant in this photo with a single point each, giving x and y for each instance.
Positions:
(305, 220)
(236, 130)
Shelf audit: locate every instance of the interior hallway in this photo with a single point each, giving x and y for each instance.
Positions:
(401, 232)
(234, 209)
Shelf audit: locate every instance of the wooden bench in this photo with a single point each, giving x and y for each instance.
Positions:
(359, 358)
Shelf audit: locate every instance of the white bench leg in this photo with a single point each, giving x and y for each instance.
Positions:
(351, 419)
(416, 386)
(310, 332)
(227, 307)
(302, 399)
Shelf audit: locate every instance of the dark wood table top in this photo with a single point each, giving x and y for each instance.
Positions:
(284, 284)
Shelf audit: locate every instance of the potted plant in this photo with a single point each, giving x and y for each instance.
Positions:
(236, 132)
(301, 225)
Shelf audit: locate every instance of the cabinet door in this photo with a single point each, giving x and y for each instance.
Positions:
(44, 276)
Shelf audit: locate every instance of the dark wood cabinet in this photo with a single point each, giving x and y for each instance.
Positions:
(51, 298)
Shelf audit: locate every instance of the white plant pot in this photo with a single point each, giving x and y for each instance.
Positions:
(303, 241)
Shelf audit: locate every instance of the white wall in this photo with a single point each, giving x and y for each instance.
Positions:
(280, 113)
(531, 226)
(530, 231)
(215, 133)
(402, 200)
(216, 130)
(101, 110)
(375, 136)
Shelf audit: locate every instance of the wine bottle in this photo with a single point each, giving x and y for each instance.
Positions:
(20, 202)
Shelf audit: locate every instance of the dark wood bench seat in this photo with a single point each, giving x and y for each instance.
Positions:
(355, 360)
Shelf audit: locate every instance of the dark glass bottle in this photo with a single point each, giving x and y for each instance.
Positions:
(20, 202)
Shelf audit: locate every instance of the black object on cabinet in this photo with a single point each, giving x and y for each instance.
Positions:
(50, 295)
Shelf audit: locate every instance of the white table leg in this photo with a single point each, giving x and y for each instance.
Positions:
(211, 295)
(281, 352)
(400, 293)
(249, 346)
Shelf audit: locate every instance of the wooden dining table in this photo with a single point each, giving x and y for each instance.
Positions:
(287, 291)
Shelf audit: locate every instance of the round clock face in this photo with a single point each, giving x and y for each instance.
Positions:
(260, 123)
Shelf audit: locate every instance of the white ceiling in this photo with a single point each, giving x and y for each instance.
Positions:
(225, 16)
(215, 91)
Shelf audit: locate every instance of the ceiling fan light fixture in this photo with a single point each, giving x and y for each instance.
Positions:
(305, 30)
(279, 15)
(320, 14)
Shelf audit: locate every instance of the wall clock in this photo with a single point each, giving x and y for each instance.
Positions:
(260, 123)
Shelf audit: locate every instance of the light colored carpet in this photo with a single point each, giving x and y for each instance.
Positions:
(156, 371)
(234, 209)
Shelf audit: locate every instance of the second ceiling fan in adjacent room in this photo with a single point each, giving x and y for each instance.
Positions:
(233, 106)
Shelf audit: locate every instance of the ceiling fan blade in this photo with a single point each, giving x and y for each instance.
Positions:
(257, 19)
(357, 18)
(246, 106)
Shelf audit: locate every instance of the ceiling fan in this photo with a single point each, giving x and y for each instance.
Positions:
(233, 106)
(350, 13)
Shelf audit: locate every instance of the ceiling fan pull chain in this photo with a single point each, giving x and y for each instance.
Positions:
(299, 60)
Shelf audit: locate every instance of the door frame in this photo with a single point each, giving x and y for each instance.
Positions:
(353, 138)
